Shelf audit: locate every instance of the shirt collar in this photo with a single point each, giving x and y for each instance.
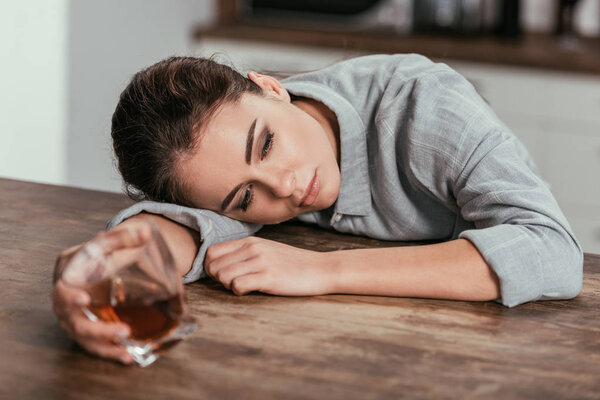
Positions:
(355, 187)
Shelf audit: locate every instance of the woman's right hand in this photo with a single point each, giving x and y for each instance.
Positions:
(97, 337)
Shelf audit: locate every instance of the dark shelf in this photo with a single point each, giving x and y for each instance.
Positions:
(532, 50)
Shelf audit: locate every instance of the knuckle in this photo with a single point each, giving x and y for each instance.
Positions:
(220, 275)
(210, 252)
(209, 268)
(253, 248)
(237, 287)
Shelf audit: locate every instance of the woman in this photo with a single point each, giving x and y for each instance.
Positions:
(394, 147)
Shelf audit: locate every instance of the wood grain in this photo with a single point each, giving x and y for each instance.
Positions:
(261, 346)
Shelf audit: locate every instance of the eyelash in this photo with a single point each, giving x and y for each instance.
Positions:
(248, 193)
(267, 146)
(248, 197)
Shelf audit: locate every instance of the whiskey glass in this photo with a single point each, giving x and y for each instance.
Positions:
(136, 285)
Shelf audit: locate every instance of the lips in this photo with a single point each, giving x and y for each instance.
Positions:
(311, 192)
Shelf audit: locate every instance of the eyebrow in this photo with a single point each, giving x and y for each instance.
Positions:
(249, 145)
(250, 142)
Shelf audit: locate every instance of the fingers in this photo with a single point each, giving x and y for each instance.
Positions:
(71, 250)
(65, 297)
(99, 337)
(68, 305)
(85, 329)
(227, 274)
(106, 350)
(103, 244)
(247, 283)
(62, 260)
(116, 239)
(236, 261)
(218, 250)
(214, 265)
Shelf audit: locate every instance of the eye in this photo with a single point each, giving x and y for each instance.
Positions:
(267, 146)
(248, 195)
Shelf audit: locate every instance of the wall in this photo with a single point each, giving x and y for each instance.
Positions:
(109, 41)
(64, 63)
(32, 97)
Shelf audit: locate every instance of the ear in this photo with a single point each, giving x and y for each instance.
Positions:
(270, 86)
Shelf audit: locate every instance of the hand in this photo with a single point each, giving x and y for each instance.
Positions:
(256, 264)
(98, 337)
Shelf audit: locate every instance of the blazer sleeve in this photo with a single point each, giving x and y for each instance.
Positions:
(482, 170)
(212, 227)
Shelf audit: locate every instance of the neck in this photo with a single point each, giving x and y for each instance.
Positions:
(325, 117)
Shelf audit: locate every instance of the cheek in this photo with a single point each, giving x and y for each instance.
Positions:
(273, 211)
(264, 211)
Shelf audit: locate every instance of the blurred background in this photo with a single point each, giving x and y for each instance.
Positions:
(64, 63)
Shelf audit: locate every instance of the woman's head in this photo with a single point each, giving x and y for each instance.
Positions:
(156, 117)
(180, 133)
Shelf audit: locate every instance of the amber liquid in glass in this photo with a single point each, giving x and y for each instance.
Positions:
(139, 302)
(147, 322)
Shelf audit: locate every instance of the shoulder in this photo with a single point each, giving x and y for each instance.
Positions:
(438, 120)
(371, 73)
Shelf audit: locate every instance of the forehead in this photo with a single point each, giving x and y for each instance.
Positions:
(232, 118)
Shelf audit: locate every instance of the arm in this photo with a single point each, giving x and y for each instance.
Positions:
(452, 270)
(188, 231)
(182, 241)
(483, 173)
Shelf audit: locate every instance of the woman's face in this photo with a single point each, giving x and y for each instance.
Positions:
(264, 159)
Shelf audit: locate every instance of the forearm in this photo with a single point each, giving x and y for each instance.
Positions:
(451, 270)
(182, 241)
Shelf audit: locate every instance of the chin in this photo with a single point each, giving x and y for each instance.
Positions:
(329, 198)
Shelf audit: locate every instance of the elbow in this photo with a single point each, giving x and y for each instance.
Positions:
(568, 280)
(571, 287)
(574, 281)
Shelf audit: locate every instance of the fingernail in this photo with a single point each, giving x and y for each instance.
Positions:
(123, 334)
(125, 359)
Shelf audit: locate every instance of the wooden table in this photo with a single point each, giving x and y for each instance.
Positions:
(267, 347)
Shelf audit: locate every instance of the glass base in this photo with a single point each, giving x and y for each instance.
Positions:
(143, 356)
(145, 353)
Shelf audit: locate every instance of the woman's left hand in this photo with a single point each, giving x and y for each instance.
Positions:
(256, 264)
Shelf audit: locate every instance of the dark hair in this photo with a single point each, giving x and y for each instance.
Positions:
(158, 117)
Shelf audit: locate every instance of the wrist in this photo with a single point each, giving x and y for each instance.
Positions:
(331, 265)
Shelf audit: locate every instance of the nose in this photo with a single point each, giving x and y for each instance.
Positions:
(281, 182)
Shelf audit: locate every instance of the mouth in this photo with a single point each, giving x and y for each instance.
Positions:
(311, 192)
